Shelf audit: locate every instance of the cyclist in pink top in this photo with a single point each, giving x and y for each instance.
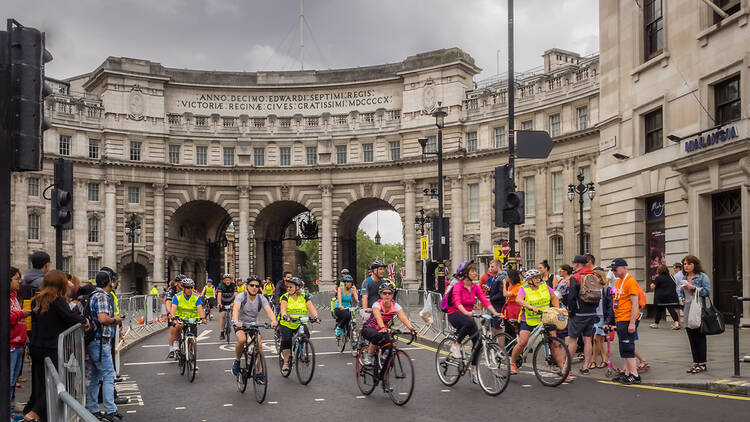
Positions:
(463, 296)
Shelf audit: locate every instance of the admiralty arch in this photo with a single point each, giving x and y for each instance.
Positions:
(196, 155)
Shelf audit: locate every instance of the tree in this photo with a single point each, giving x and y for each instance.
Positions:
(368, 251)
(310, 270)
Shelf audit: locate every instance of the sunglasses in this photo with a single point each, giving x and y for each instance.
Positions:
(387, 293)
(253, 285)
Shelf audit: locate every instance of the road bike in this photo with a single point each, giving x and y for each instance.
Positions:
(252, 357)
(302, 356)
(391, 366)
(186, 354)
(227, 309)
(349, 334)
(493, 367)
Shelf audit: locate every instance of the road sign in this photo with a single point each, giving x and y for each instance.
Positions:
(533, 144)
(505, 248)
(425, 247)
(497, 252)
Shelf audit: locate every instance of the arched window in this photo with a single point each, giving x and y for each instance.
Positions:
(93, 229)
(556, 246)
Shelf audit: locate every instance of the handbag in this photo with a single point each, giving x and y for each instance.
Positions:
(712, 320)
(694, 316)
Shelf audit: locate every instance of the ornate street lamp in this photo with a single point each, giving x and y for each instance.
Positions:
(133, 230)
(581, 189)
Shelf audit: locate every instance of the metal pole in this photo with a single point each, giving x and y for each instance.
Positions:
(132, 258)
(736, 334)
(580, 234)
(58, 247)
(5, 180)
(440, 257)
(511, 123)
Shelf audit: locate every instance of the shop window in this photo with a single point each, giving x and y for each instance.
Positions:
(655, 244)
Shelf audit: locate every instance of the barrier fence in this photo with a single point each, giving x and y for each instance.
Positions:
(65, 386)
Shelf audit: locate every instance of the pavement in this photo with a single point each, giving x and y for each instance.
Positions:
(159, 392)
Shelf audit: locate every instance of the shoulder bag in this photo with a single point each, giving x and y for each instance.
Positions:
(712, 320)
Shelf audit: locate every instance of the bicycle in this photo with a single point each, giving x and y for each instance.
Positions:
(209, 316)
(252, 354)
(349, 334)
(186, 353)
(302, 356)
(542, 344)
(392, 367)
(227, 309)
(493, 367)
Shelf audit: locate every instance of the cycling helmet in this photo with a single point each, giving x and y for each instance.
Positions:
(180, 277)
(209, 280)
(345, 272)
(386, 285)
(532, 273)
(188, 283)
(296, 281)
(347, 278)
(226, 276)
(463, 269)
(253, 277)
(377, 264)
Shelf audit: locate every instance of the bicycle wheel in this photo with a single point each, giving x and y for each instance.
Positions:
(398, 379)
(354, 339)
(493, 369)
(548, 371)
(242, 373)
(341, 340)
(305, 361)
(448, 367)
(506, 340)
(365, 375)
(277, 340)
(192, 358)
(259, 385)
(181, 357)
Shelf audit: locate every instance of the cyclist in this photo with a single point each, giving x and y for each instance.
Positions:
(375, 329)
(533, 298)
(185, 305)
(268, 289)
(208, 295)
(241, 286)
(371, 285)
(226, 291)
(245, 310)
(460, 313)
(294, 303)
(280, 290)
(347, 297)
(169, 295)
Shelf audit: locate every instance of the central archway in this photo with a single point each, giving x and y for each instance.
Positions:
(276, 240)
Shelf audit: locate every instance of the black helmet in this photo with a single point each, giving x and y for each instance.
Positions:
(180, 277)
(253, 277)
(296, 281)
(386, 285)
(377, 264)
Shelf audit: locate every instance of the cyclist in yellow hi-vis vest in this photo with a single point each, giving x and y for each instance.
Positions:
(185, 306)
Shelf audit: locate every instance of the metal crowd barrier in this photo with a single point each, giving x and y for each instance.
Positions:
(71, 366)
(61, 405)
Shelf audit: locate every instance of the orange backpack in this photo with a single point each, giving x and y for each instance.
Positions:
(641, 297)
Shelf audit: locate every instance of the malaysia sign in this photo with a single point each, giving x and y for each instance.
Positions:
(701, 142)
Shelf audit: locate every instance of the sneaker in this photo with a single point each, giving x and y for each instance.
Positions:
(618, 378)
(634, 379)
(338, 331)
(456, 351)
(98, 414)
(236, 368)
(221, 336)
(112, 417)
(285, 367)
(171, 354)
(474, 376)
(367, 359)
(260, 378)
(513, 369)
(119, 378)
(121, 400)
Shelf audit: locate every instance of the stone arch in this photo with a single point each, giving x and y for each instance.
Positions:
(144, 269)
(275, 248)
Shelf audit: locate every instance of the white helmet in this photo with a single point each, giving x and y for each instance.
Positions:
(532, 273)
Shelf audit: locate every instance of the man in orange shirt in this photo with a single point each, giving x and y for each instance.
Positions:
(626, 310)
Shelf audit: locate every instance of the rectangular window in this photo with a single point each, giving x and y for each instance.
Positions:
(473, 202)
(583, 117)
(259, 157)
(66, 235)
(93, 267)
(471, 142)
(500, 137)
(64, 147)
(93, 231)
(312, 155)
(554, 125)
(729, 6)
(134, 195)
(557, 192)
(473, 251)
(367, 153)
(395, 147)
(529, 252)
(587, 242)
(228, 156)
(33, 189)
(586, 179)
(527, 125)
(94, 148)
(66, 264)
(201, 121)
(285, 156)
(529, 188)
(201, 155)
(33, 227)
(340, 154)
(431, 146)
(653, 30)
(557, 251)
(93, 192)
(727, 99)
(653, 125)
(135, 151)
(174, 154)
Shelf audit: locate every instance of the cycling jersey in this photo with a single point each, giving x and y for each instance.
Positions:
(187, 307)
(386, 315)
(226, 293)
(370, 288)
(295, 308)
(154, 291)
(241, 289)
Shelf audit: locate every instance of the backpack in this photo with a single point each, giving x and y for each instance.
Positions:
(260, 302)
(447, 301)
(591, 290)
(490, 279)
(641, 297)
(93, 320)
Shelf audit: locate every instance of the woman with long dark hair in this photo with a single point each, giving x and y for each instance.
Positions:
(695, 279)
(665, 297)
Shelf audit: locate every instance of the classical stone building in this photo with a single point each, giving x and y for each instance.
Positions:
(674, 169)
(189, 152)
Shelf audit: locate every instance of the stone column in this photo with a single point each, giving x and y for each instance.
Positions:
(326, 243)
(413, 275)
(457, 221)
(485, 213)
(110, 223)
(158, 250)
(244, 233)
(80, 261)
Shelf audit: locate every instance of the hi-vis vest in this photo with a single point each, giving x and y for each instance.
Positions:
(294, 308)
(117, 304)
(209, 290)
(154, 291)
(539, 299)
(186, 307)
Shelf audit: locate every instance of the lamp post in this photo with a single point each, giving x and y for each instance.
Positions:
(421, 223)
(132, 229)
(581, 189)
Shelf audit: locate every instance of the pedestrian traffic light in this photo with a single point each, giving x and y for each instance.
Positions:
(26, 57)
(509, 204)
(62, 195)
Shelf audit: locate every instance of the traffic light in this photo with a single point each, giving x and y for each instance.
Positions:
(26, 58)
(62, 195)
(509, 204)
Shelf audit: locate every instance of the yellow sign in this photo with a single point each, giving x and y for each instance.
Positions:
(497, 252)
(425, 249)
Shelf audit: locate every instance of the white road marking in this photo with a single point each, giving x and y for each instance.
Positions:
(273, 402)
(320, 399)
(228, 405)
(526, 385)
(445, 391)
(160, 373)
(203, 335)
(180, 408)
(360, 397)
(349, 363)
(130, 411)
(321, 365)
(266, 343)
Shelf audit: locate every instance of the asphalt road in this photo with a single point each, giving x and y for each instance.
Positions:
(158, 392)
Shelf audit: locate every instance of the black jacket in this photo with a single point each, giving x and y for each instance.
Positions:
(497, 299)
(47, 326)
(609, 312)
(665, 292)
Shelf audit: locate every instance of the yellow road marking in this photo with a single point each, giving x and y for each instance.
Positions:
(679, 390)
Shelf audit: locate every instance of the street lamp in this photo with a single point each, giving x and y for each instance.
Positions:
(421, 222)
(133, 230)
(581, 189)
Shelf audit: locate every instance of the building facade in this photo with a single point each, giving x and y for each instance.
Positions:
(190, 152)
(674, 170)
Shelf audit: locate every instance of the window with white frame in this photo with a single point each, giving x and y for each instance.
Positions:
(500, 137)
(259, 157)
(556, 246)
(587, 243)
(201, 155)
(228, 156)
(33, 229)
(135, 151)
(312, 155)
(395, 147)
(64, 145)
(93, 193)
(134, 195)
(66, 235)
(94, 148)
(93, 267)
(527, 125)
(583, 117)
(653, 29)
(557, 192)
(554, 125)
(285, 156)
(473, 250)
(529, 187)
(473, 189)
(33, 186)
(471, 142)
(340, 154)
(529, 252)
(65, 267)
(174, 154)
(93, 229)
(367, 153)
(431, 146)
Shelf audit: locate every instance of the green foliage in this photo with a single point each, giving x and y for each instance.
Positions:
(368, 251)
(310, 271)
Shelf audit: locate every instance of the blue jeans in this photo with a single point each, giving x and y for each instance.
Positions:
(16, 362)
(100, 370)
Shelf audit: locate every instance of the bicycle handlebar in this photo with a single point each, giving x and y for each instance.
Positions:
(412, 335)
(187, 321)
(301, 320)
(253, 326)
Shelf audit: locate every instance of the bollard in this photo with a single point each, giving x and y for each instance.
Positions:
(736, 334)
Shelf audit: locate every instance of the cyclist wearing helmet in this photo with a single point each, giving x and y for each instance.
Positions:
(534, 297)
(208, 294)
(241, 285)
(174, 288)
(370, 286)
(347, 297)
(245, 311)
(268, 288)
(185, 305)
(375, 329)
(280, 290)
(226, 291)
(294, 303)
